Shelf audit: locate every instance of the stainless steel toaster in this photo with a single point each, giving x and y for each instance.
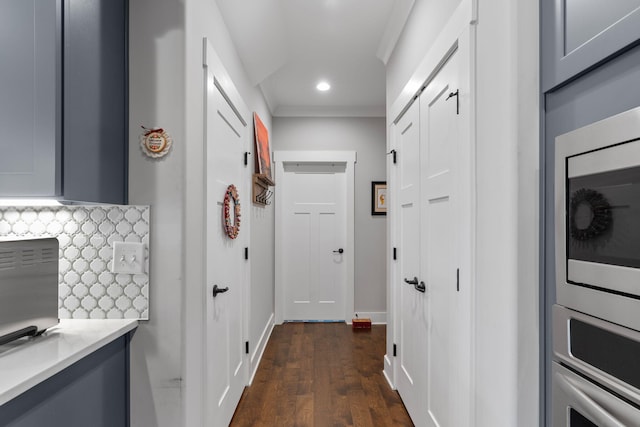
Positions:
(28, 287)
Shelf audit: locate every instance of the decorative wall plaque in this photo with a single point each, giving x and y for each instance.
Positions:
(155, 142)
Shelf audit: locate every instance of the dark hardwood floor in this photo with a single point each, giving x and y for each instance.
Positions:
(321, 374)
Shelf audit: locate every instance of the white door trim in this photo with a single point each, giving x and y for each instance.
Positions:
(279, 159)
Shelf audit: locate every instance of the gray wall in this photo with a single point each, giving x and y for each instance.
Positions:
(366, 136)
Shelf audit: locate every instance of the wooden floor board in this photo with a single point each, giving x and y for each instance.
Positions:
(321, 374)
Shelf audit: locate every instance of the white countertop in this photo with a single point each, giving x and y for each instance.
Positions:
(27, 362)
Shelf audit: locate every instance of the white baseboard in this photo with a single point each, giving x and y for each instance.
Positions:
(387, 371)
(256, 356)
(377, 317)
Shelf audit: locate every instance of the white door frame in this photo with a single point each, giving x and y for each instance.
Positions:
(279, 159)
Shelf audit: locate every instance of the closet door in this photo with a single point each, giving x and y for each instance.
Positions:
(439, 255)
(412, 316)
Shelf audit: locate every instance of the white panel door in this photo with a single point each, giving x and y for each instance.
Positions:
(439, 128)
(412, 325)
(314, 270)
(226, 268)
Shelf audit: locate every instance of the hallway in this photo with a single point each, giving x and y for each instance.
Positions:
(321, 374)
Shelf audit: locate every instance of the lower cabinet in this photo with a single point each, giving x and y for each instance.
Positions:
(92, 392)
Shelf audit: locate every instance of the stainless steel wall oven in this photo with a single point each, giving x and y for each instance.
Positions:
(596, 339)
(595, 373)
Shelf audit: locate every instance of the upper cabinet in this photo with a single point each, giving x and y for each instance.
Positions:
(578, 35)
(95, 101)
(67, 109)
(30, 80)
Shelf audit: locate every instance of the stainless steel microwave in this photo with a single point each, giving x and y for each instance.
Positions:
(597, 219)
(28, 287)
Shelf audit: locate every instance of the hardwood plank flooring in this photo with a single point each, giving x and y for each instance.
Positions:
(321, 374)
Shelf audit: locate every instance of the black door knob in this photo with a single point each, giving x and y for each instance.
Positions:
(413, 282)
(217, 290)
(339, 251)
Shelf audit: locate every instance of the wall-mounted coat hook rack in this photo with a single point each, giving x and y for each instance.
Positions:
(261, 192)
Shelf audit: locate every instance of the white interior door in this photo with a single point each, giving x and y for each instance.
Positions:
(439, 126)
(314, 273)
(226, 268)
(314, 235)
(412, 321)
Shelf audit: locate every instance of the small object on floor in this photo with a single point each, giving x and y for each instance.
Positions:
(363, 323)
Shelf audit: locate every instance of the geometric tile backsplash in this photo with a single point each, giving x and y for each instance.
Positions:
(87, 287)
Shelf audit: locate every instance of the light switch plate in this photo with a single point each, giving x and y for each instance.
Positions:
(128, 258)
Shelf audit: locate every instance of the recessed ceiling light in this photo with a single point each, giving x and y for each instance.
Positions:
(323, 86)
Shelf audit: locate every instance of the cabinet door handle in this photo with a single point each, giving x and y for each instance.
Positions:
(413, 282)
(339, 251)
(421, 287)
(217, 290)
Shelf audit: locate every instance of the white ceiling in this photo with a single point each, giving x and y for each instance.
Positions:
(288, 46)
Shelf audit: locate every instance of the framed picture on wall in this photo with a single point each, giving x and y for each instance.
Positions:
(263, 152)
(378, 197)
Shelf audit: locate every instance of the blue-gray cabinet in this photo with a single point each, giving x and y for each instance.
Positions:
(92, 392)
(30, 77)
(578, 35)
(95, 101)
(67, 109)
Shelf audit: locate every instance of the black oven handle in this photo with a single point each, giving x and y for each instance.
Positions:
(590, 407)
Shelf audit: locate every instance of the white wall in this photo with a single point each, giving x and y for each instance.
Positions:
(156, 98)
(506, 314)
(203, 19)
(507, 346)
(426, 21)
(166, 80)
(366, 136)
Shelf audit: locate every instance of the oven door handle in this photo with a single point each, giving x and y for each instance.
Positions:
(586, 404)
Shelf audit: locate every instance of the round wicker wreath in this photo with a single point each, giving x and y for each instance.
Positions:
(600, 214)
(231, 228)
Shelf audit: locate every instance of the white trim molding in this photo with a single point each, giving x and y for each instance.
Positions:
(256, 356)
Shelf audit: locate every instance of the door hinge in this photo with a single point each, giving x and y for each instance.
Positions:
(246, 157)
(246, 253)
(395, 253)
(246, 347)
(457, 279)
(393, 153)
(395, 350)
